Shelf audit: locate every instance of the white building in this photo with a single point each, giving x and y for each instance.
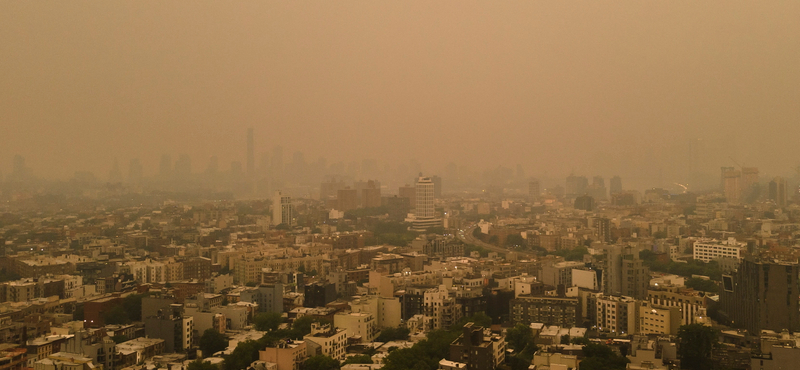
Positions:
(616, 314)
(585, 279)
(424, 215)
(440, 309)
(360, 326)
(386, 310)
(282, 210)
(709, 249)
(326, 340)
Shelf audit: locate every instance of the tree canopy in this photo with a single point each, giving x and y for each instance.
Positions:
(212, 342)
(320, 362)
(266, 321)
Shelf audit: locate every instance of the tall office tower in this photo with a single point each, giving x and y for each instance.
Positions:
(251, 155)
(778, 191)
(165, 167)
(598, 188)
(282, 210)
(437, 186)
(135, 171)
(723, 171)
(371, 195)
(624, 273)
(115, 175)
(616, 185)
(425, 207)
(584, 202)
(19, 171)
(576, 185)
(346, 199)
(762, 295)
(732, 186)
(183, 167)
(749, 183)
(425, 196)
(409, 192)
(602, 228)
(534, 191)
(329, 188)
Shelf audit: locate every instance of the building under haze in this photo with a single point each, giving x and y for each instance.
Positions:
(616, 185)
(778, 191)
(533, 190)
(282, 210)
(424, 215)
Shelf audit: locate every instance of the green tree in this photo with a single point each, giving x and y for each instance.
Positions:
(695, 343)
(265, 321)
(515, 240)
(580, 340)
(358, 359)
(199, 364)
(282, 227)
(390, 334)
(116, 316)
(703, 285)
(212, 342)
(479, 319)
(243, 355)
(132, 304)
(303, 324)
(320, 362)
(565, 339)
(601, 357)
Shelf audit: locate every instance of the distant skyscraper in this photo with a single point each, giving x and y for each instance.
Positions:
(371, 195)
(346, 199)
(408, 192)
(584, 202)
(425, 206)
(437, 186)
(616, 185)
(251, 155)
(576, 185)
(534, 191)
(732, 186)
(778, 191)
(282, 210)
(749, 183)
(723, 171)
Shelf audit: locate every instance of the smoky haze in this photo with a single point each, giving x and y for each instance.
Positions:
(651, 91)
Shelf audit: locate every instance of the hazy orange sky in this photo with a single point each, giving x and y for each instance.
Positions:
(595, 87)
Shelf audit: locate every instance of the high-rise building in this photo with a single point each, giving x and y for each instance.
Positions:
(732, 186)
(282, 210)
(584, 202)
(346, 199)
(749, 183)
(616, 185)
(778, 191)
(371, 195)
(624, 273)
(437, 186)
(251, 155)
(425, 207)
(723, 171)
(534, 190)
(576, 186)
(602, 228)
(409, 192)
(762, 295)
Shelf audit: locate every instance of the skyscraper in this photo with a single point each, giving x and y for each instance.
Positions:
(437, 186)
(165, 167)
(425, 207)
(732, 186)
(616, 185)
(762, 295)
(282, 210)
(534, 190)
(778, 191)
